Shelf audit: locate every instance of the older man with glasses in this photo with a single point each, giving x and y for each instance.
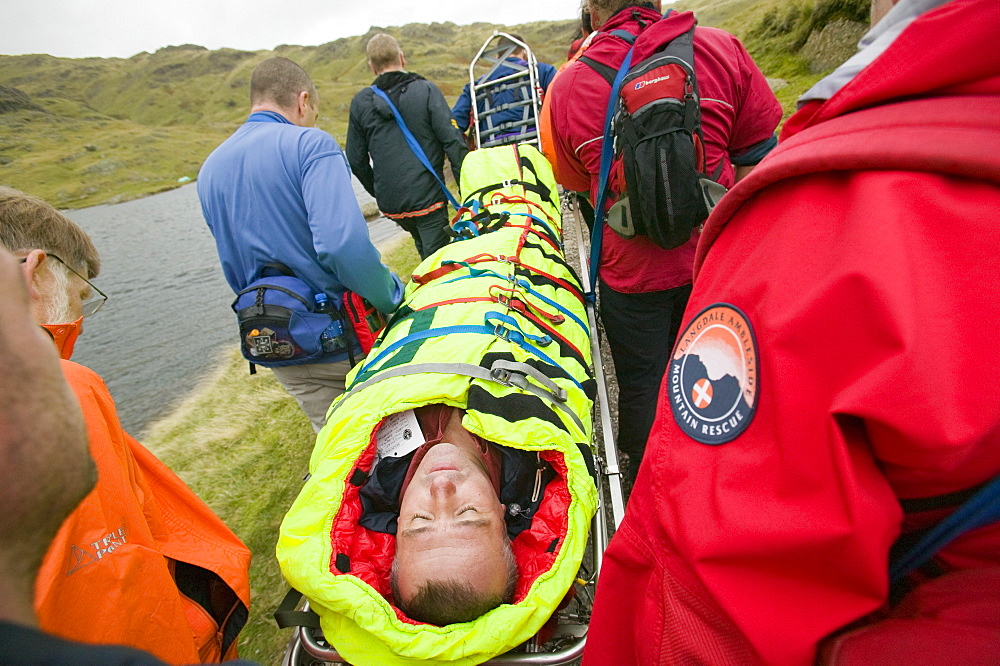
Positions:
(131, 561)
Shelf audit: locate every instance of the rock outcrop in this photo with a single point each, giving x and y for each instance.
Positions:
(14, 99)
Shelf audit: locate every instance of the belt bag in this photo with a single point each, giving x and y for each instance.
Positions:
(364, 320)
(279, 324)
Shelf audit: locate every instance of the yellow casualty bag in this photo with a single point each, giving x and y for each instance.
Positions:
(493, 324)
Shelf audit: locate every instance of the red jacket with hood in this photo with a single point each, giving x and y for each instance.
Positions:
(834, 386)
(739, 112)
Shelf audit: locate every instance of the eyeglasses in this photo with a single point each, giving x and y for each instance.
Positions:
(96, 299)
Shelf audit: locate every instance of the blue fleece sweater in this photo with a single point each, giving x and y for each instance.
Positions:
(277, 192)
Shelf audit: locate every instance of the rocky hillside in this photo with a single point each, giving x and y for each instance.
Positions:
(84, 131)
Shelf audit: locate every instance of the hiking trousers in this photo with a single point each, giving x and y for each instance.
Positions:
(641, 330)
(430, 231)
(314, 386)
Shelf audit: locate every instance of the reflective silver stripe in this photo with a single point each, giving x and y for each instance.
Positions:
(507, 376)
(524, 369)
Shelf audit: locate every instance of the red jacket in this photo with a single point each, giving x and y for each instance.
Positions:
(837, 367)
(738, 111)
(109, 575)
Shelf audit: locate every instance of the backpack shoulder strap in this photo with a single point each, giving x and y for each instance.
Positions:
(273, 268)
(608, 72)
(415, 145)
(982, 509)
(607, 151)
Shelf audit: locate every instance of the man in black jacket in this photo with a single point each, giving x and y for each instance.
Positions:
(404, 188)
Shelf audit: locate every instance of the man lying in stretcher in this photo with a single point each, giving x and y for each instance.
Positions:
(454, 502)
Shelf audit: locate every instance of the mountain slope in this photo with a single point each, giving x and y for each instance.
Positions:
(78, 132)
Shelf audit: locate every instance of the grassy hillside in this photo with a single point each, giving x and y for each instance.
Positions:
(95, 130)
(84, 131)
(795, 41)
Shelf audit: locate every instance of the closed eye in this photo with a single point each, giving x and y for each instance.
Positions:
(467, 508)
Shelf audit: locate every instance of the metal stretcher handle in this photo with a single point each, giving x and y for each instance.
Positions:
(613, 472)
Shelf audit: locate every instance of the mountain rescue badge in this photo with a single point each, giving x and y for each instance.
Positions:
(713, 375)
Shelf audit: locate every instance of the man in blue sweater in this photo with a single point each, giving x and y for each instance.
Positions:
(279, 191)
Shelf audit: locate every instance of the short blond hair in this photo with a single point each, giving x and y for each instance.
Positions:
(383, 51)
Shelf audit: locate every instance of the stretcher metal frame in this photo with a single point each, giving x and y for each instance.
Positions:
(307, 645)
(495, 55)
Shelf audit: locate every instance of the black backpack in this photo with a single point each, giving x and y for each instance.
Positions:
(658, 146)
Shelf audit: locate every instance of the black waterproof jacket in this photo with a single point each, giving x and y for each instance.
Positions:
(394, 175)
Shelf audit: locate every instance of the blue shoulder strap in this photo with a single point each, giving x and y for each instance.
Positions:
(415, 146)
(980, 510)
(607, 152)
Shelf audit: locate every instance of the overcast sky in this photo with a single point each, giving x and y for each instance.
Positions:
(122, 28)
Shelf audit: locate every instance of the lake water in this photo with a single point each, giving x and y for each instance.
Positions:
(167, 321)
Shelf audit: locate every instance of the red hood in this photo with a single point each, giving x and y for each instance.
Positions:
(950, 50)
(607, 48)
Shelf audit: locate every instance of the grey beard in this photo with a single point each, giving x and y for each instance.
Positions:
(56, 305)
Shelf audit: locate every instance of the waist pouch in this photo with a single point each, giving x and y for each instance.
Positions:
(279, 324)
(364, 319)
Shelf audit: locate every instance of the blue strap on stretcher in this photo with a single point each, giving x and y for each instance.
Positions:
(415, 147)
(980, 510)
(514, 335)
(542, 223)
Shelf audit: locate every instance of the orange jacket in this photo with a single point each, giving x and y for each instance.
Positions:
(545, 138)
(116, 570)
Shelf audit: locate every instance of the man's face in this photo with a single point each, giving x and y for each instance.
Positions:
(43, 441)
(58, 294)
(308, 109)
(451, 524)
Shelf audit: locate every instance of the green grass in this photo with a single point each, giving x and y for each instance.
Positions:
(243, 445)
(774, 32)
(77, 162)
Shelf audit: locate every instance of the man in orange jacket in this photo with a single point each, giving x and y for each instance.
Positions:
(141, 561)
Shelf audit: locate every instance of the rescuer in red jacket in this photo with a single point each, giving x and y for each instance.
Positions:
(643, 288)
(834, 384)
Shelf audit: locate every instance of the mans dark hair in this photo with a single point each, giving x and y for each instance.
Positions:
(608, 8)
(279, 80)
(585, 20)
(506, 43)
(442, 602)
(28, 223)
